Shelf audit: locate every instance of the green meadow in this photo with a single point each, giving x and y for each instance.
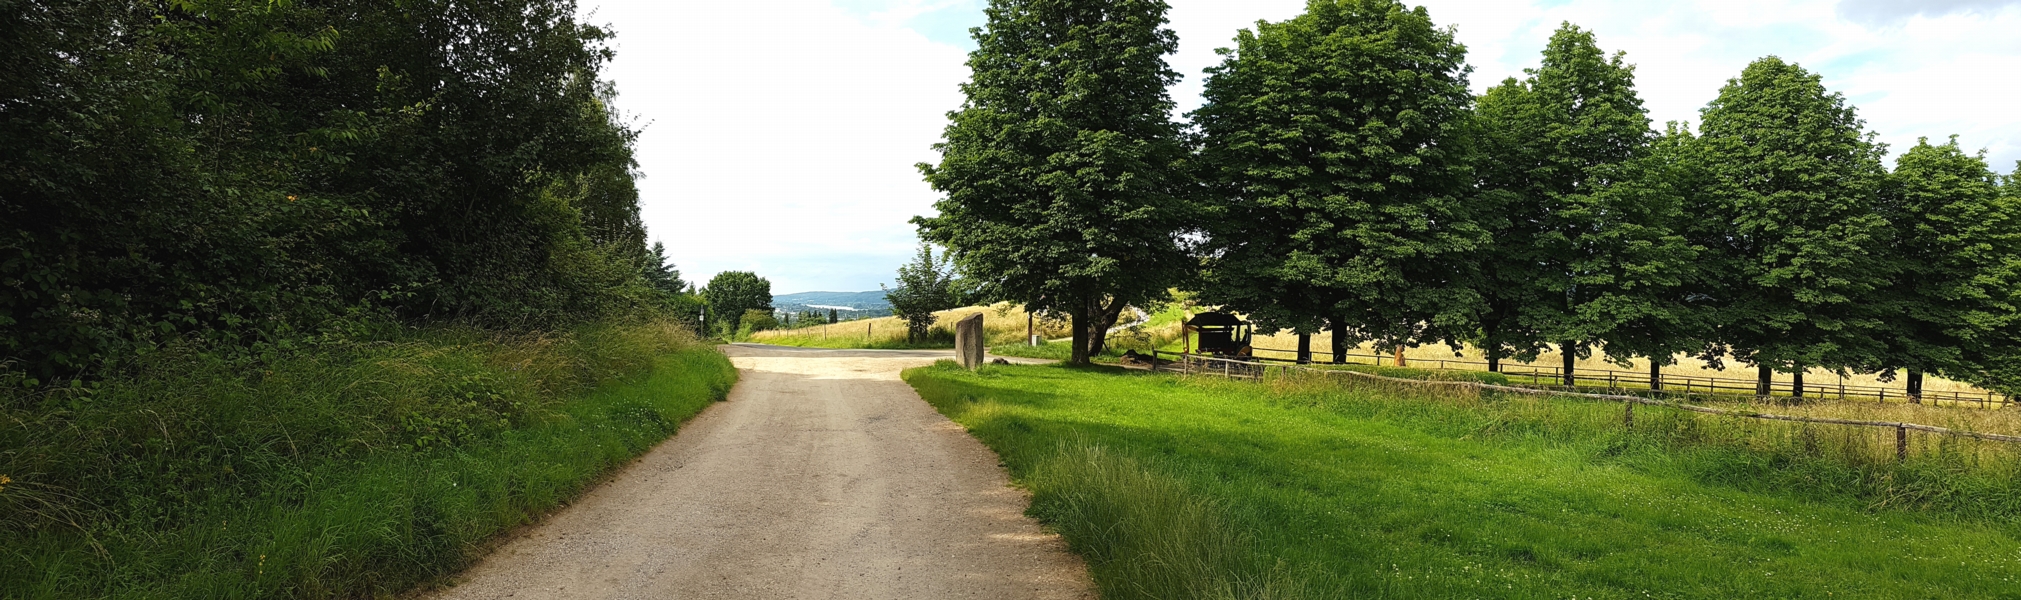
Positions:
(1178, 487)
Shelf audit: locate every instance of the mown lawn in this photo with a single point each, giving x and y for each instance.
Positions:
(1195, 488)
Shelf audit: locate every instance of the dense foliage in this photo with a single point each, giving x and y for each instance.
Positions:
(732, 294)
(244, 171)
(1064, 174)
(925, 286)
(1793, 186)
(1349, 180)
(1332, 144)
(1584, 248)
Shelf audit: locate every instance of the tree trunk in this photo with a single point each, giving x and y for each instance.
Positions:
(1655, 376)
(1764, 380)
(1399, 356)
(1491, 345)
(1571, 359)
(1098, 339)
(1082, 320)
(1915, 386)
(1304, 348)
(1339, 340)
(1796, 384)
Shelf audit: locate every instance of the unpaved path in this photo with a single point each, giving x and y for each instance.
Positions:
(822, 476)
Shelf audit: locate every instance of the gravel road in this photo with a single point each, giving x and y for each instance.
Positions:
(822, 476)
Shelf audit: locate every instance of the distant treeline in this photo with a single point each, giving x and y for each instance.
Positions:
(242, 171)
(1341, 175)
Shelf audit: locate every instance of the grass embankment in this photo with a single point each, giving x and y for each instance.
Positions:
(353, 469)
(1193, 488)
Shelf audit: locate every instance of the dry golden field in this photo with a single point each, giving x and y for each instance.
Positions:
(1003, 323)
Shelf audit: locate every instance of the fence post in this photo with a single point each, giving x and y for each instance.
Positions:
(1901, 443)
(1628, 416)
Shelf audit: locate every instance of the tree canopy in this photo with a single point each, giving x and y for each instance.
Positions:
(731, 294)
(240, 170)
(1955, 245)
(1063, 174)
(1332, 148)
(925, 286)
(1584, 253)
(1792, 184)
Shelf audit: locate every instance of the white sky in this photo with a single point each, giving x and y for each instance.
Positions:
(780, 135)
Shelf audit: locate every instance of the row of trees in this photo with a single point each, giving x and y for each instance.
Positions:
(244, 170)
(1342, 176)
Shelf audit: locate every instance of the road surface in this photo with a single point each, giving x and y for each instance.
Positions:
(822, 476)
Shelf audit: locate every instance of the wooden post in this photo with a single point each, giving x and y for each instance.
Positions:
(1901, 443)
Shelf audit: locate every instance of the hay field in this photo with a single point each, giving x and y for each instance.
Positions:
(1002, 323)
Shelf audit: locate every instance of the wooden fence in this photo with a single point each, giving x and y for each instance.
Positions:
(1259, 370)
(1538, 375)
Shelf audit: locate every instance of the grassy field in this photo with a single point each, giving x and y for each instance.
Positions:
(1192, 488)
(349, 470)
(1002, 323)
(1685, 366)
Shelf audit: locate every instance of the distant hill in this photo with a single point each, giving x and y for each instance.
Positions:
(861, 301)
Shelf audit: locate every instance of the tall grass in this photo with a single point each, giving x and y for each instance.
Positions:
(1682, 365)
(348, 469)
(1325, 487)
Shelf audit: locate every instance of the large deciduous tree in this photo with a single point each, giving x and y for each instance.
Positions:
(1956, 244)
(732, 293)
(1793, 180)
(1063, 173)
(1584, 252)
(1332, 142)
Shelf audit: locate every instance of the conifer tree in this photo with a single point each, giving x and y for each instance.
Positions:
(1955, 244)
(1063, 173)
(1792, 179)
(1332, 143)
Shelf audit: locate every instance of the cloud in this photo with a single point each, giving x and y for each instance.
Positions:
(1890, 12)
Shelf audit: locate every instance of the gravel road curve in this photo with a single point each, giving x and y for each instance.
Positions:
(822, 476)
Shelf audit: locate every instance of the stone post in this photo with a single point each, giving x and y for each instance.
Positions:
(968, 341)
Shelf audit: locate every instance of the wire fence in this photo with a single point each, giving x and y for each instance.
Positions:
(1688, 385)
(1256, 370)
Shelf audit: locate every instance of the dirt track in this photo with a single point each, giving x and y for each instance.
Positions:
(823, 476)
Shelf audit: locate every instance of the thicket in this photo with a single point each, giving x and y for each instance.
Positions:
(310, 298)
(1343, 177)
(246, 172)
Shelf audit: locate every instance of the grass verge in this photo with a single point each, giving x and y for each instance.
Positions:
(1190, 488)
(357, 469)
